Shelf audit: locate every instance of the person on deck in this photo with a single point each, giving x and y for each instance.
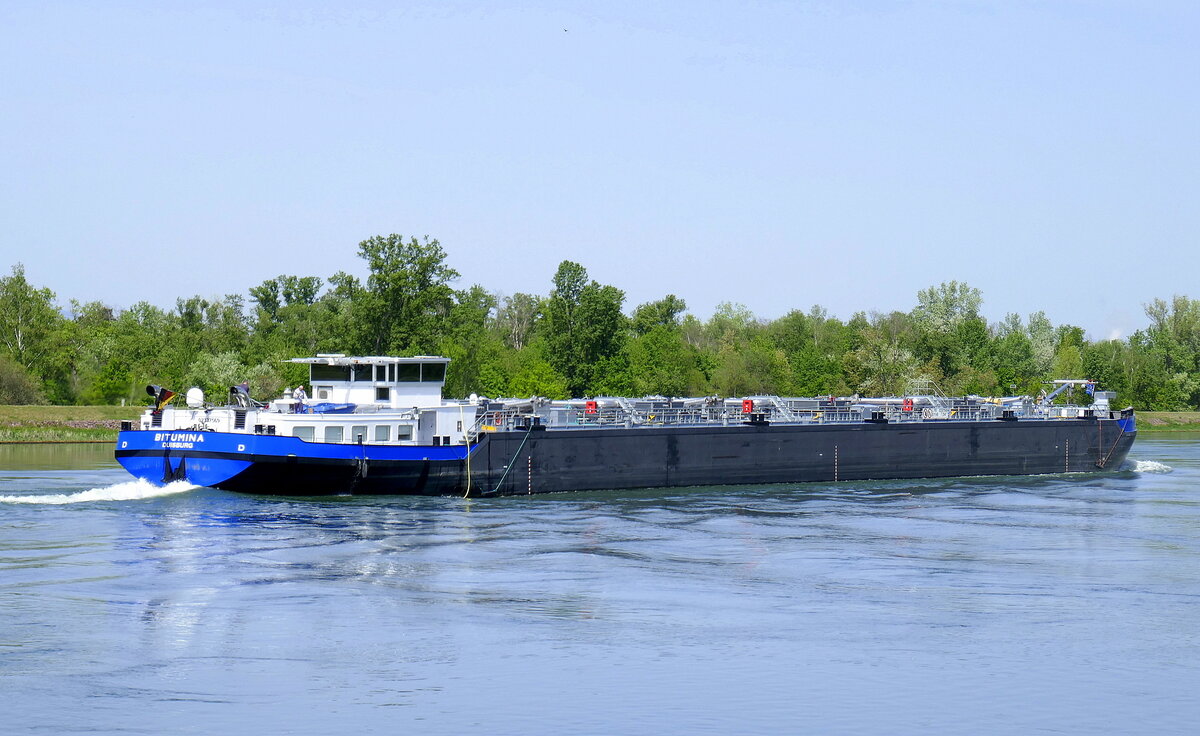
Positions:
(299, 396)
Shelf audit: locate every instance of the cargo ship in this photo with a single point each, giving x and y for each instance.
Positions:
(379, 425)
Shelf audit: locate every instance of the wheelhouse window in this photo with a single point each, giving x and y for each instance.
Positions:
(408, 372)
(382, 393)
(433, 372)
(318, 372)
(363, 373)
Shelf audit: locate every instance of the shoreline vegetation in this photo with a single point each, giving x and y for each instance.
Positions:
(1168, 421)
(31, 425)
(26, 424)
(582, 338)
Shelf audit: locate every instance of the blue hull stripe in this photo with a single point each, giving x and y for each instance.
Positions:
(209, 458)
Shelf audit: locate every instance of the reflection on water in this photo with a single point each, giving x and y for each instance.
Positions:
(49, 456)
(1059, 604)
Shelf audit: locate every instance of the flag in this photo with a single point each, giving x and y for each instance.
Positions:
(1090, 388)
(163, 398)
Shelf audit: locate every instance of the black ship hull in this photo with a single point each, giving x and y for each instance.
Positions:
(751, 455)
(538, 460)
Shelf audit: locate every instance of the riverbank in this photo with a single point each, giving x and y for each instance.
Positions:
(1168, 421)
(34, 424)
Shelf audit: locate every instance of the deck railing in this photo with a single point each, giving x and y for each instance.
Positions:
(652, 412)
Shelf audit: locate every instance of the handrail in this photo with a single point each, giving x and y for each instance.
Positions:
(769, 409)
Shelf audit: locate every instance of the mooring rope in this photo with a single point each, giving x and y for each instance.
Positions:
(462, 422)
(1111, 450)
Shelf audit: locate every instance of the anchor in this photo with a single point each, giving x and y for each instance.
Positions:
(171, 475)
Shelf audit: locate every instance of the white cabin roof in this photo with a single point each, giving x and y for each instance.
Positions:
(340, 359)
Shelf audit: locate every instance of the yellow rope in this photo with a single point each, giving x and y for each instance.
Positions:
(466, 435)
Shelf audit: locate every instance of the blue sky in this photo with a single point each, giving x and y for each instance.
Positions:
(768, 153)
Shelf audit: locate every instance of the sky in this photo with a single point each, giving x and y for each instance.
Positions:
(771, 154)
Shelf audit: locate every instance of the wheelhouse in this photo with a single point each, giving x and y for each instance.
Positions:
(382, 381)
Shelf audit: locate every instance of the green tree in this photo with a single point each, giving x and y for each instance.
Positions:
(469, 342)
(101, 370)
(584, 326)
(407, 298)
(814, 345)
(1068, 362)
(662, 363)
(665, 312)
(1013, 358)
(517, 318)
(758, 367)
(946, 335)
(16, 385)
(880, 364)
(216, 373)
(1173, 343)
(30, 323)
(267, 298)
(939, 308)
(732, 324)
(533, 375)
(1044, 341)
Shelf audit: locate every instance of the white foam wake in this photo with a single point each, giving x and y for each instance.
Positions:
(1150, 466)
(133, 490)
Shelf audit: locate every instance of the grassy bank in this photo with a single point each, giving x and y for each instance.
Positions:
(63, 423)
(1168, 421)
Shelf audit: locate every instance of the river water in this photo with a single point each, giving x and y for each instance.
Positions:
(1058, 604)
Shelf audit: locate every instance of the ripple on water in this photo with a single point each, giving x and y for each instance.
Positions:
(1063, 603)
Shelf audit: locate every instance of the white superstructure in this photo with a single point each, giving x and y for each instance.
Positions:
(351, 399)
(377, 380)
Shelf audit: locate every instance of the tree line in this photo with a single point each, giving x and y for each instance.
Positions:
(578, 340)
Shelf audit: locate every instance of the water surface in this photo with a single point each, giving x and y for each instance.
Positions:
(1059, 604)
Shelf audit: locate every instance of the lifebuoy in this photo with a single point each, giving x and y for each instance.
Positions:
(908, 405)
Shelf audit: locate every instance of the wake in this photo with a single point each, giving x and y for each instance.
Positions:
(134, 490)
(1150, 466)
